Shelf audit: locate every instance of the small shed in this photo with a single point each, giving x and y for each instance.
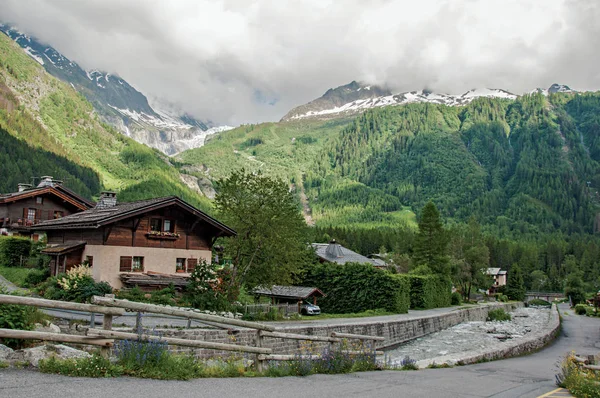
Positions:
(290, 294)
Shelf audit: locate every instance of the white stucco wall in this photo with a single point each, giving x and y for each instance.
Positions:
(107, 260)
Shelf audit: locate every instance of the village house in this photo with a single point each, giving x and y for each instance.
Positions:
(49, 200)
(147, 243)
(499, 278)
(333, 252)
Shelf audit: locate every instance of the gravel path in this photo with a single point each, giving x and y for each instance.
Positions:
(10, 287)
(470, 336)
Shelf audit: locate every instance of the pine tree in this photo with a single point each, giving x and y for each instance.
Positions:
(515, 286)
(431, 241)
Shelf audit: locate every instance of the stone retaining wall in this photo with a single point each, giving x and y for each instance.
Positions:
(395, 331)
(531, 342)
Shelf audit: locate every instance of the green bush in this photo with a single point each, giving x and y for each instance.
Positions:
(16, 317)
(503, 298)
(35, 277)
(75, 285)
(498, 314)
(352, 288)
(14, 251)
(456, 298)
(581, 309)
(429, 291)
(94, 366)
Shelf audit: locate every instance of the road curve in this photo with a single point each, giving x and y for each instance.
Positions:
(527, 376)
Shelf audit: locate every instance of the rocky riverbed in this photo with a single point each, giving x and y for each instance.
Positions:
(471, 336)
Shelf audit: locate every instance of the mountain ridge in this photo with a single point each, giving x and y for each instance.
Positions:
(356, 97)
(117, 102)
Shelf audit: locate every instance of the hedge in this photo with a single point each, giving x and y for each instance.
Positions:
(13, 250)
(428, 291)
(358, 287)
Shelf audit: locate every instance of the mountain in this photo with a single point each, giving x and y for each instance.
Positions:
(528, 164)
(48, 128)
(117, 102)
(356, 97)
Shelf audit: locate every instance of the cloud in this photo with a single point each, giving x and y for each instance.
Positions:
(237, 61)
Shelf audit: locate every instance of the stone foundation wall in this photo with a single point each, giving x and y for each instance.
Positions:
(395, 332)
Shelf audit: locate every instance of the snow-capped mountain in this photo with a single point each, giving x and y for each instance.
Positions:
(356, 97)
(553, 89)
(118, 103)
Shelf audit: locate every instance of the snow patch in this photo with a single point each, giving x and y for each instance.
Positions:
(33, 54)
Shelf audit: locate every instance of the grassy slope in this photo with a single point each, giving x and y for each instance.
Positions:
(69, 126)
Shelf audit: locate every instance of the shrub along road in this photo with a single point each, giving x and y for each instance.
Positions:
(527, 376)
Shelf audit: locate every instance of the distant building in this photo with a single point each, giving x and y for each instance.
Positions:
(333, 252)
(499, 278)
(21, 211)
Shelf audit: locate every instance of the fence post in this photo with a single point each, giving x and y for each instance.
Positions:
(93, 320)
(106, 325)
(260, 365)
(138, 323)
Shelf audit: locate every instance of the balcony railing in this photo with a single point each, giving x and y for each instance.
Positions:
(19, 222)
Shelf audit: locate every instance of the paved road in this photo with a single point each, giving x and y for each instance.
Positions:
(528, 376)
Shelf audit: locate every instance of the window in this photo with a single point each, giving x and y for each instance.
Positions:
(137, 264)
(125, 265)
(180, 264)
(90, 261)
(31, 214)
(168, 226)
(191, 264)
(39, 200)
(58, 214)
(155, 224)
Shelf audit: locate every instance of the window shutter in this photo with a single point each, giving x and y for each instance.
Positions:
(191, 264)
(50, 214)
(38, 214)
(25, 212)
(125, 264)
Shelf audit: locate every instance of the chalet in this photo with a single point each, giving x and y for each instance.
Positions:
(22, 210)
(333, 252)
(161, 236)
(499, 278)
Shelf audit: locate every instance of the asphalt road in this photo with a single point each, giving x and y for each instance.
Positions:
(527, 376)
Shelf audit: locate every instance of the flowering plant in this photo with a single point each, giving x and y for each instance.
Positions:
(166, 234)
(75, 276)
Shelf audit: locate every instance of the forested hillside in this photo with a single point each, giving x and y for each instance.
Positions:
(48, 118)
(531, 164)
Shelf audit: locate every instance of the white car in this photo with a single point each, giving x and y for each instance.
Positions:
(309, 309)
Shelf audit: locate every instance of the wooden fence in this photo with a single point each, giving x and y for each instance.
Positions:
(110, 307)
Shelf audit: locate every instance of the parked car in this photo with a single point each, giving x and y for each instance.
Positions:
(309, 309)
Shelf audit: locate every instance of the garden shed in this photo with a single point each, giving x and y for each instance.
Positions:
(290, 294)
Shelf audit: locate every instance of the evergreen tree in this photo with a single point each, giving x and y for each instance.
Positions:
(431, 241)
(515, 286)
(574, 288)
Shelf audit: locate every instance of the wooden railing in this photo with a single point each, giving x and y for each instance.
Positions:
(110, 307)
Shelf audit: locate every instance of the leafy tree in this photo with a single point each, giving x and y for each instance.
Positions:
(515, 287)
(539, 281)
(574, 288)
(431, 241)
(271, 246)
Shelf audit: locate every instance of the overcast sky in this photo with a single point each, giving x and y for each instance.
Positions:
(249, 61)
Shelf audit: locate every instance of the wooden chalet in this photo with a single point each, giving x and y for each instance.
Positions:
(29, 206)
(144, 243)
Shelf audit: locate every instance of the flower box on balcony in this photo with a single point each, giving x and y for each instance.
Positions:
(162, 235)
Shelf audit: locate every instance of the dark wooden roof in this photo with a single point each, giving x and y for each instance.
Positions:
(292, 292)
(63, 248)
(95, 218)
(58, 190)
